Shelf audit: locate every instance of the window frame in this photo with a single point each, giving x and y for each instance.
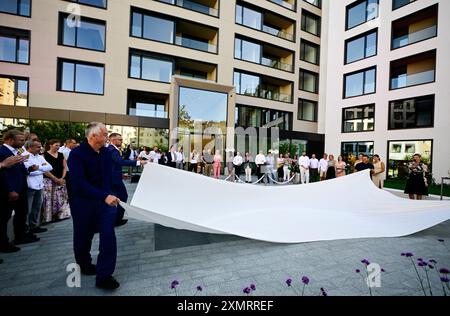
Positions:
(403, 5)
(27, 79)
(354, 38)
(354, 4)
(150, 55)
(18, 35)
(89, 4)
(59, 75)
(317, 46)
(18, 10)
(433, 113)
(363, 84)
(304, 15)
(316, 6)
(300, 113)
(301, 80)
(343, 120)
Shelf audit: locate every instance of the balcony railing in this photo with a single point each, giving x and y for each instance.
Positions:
(285, 4)
(414, 37)
(273, 31)
(195, 44)
(148, 113)
(267, 94)
(194, 6)
(405, 80)
(273, 63)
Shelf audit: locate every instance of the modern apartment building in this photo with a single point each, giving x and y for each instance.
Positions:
(385, 80)
(341, 76)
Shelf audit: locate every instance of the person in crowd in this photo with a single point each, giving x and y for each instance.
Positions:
(118, 187)
(248, 167)
(280, 163)
(133, 154)
(13, 192)
(208, 160)
(163, 159)
(260, 160)
(417, 184)
(331, 170)
(171, 157)
(304, 163)
(360, 159)
(193, 161)
(55, 204)
(230, 167)
(323, 167)
(364, 165)
(270, 167)
(340, 167)
(217, 164)
(144, 155)
(286, 166)
(94, 206)
(37, 166)
(378, 171)
(69, 144)
(155, 155)
(313, 168)
(237, 163)
(127, 152)
(180, 159)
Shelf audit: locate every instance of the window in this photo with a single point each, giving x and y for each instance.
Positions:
(309, 81)
(360, 12)
(14, 45)
(351, 150)
(150, 67)
(248, 116)
(400, 3)
(17, 7)
(307, 110)
(358, 119)
(310, 23)
(248, 51)
(249, 17)
(309, 52)
(94, 3)
(76, 76)
(262, 87)
(360, 47)
(13, 91)
(412, 113)
(316, 3)
(90, 33)
(360, 83)
(141, 103)
(400, 154)
(246, 84)
(152, 28)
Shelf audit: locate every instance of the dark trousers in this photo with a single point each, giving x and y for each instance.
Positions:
(20, 208)
(86, 222)
(193, 167)
(68, 186)
(313, 175)
(120, 191)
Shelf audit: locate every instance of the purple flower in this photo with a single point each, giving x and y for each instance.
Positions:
(419, 259)
(409, 254)
(433, 261)
(441, 240)
(444, 271)
(358, 271)
(247, 290)
(403, 254)
(253, 287)
(174, 284)
(289, 282)
(422, 264)
(365, 261)
(444, 279)
(305, 280)
(430, 266)
(199, 288)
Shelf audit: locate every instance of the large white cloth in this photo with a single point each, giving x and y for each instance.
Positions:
(353, 208)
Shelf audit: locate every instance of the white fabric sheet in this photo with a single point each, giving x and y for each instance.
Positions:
(342, 208)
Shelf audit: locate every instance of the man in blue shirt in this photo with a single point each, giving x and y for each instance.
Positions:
(94, 206)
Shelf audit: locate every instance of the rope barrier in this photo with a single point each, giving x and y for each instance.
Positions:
(282, 183)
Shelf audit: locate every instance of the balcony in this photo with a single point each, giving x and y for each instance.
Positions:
(202, 6)
(195, 44)
(196, 36)
(414, 28)
(274, 63)
(414, 70)
(277, 32)
(287, 4)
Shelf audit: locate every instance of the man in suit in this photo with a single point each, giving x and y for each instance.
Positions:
(171, 157)
(119, 189)
(13, 194)
(94, 205)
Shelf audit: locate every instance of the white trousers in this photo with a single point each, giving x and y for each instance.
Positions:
(304, 175)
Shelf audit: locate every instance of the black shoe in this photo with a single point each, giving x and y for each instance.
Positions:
(28, 239)
(9, 249)
(89, 270)
(38, 230)
(107, 284)
(121, 222)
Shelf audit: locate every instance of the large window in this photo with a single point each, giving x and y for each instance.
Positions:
(13, 91)
(351, 150)
(360, 83)
(310, 23)
(89, 34)
(307, 110)
(249, 17)
(360, 47)
(17, 7)
(152, 27)
(309, 81)
(248, 116)
(412, 113)
(82, 77)
(14, 45)
(94, 3)
(247, 50)
(150, 67)
(207, 108)
(141, 103)
(309, 52)
(401, 153)
(360, 12)
(358, 119)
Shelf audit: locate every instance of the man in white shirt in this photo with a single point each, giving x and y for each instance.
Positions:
(303, 163)
(323, 167)
(237, 163)
(313, 168)
(270, 162)
(36, 166)
(154, 155)
(180, 159)
(260, 160)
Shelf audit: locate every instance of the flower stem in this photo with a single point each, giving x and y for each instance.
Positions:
(442, 283)
(418, 275)
(367, 283)
(428, 280)
(303, 291)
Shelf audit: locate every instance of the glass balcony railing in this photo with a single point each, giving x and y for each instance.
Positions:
(267, 94)
(194, 6)
(406, 80)
(148, 113)
(278, 33)
(195, 44)
(273, 63)
(285, 4)
(414, 37)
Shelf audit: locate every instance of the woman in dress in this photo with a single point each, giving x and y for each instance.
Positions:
(417, 185)
(248, 167)
(331, 171)
(55, 204)
(217, 164)
(378, 171)
(340, 167)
